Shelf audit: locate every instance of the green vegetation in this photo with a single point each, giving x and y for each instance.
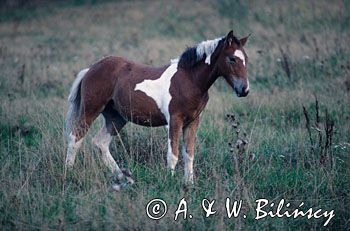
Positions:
(298, 51)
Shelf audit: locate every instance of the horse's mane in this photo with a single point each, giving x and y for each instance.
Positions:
(192, 55)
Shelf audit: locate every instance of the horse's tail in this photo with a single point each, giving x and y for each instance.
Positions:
(74, 102)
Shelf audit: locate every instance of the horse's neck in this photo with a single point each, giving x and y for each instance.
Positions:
(204, 76)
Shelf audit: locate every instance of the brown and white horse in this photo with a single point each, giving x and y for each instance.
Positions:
(173, 95)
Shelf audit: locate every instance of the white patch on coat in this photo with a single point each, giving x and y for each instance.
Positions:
(72, 150)
(159, 89)
(207, 47)
(188, 166)
(239, 54)
(102, 141)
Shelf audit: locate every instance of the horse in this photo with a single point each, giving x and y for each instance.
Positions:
(173, 96)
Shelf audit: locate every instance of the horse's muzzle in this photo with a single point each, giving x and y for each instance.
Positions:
(244, 93)
(241, 89)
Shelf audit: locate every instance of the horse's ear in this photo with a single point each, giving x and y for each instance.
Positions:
(243, 41)
(229, 38)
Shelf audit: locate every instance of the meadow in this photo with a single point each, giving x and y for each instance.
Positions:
(296, 118)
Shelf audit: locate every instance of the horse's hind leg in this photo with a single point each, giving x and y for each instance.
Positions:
(78, 131)
(112, 124)
(73, 146)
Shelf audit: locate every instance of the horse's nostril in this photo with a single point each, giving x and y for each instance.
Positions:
(243, 93)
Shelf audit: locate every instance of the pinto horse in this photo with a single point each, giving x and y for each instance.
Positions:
(173, 96)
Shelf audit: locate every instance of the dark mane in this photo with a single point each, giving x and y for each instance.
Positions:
(191, 56)
(188, 58)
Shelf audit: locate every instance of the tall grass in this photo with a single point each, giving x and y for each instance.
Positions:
(298, 50)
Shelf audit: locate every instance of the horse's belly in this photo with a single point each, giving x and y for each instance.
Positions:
(146, 114)
(149, 121)
(140, 106)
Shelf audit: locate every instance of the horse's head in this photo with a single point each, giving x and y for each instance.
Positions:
(232, 64)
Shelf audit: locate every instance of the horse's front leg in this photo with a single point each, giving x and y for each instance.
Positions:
(189, 136)
(174, 133)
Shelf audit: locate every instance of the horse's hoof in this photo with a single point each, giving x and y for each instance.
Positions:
(123, 182)
(126, 172)
(130, 180)
(116, 187)
(119, 187)
(128, 176)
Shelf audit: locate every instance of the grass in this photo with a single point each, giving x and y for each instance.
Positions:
(41, 50)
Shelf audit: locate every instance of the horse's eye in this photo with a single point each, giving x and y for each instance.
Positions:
(231, 60)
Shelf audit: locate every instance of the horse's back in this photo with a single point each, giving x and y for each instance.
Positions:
(114, 79)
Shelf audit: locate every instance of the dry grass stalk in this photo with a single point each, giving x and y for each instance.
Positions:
(286, 63)
(308, 127)
(325, 132)
(238, 149)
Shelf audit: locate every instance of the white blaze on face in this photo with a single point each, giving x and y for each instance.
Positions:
(239, 54)
(159, 89)
(247, 89)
